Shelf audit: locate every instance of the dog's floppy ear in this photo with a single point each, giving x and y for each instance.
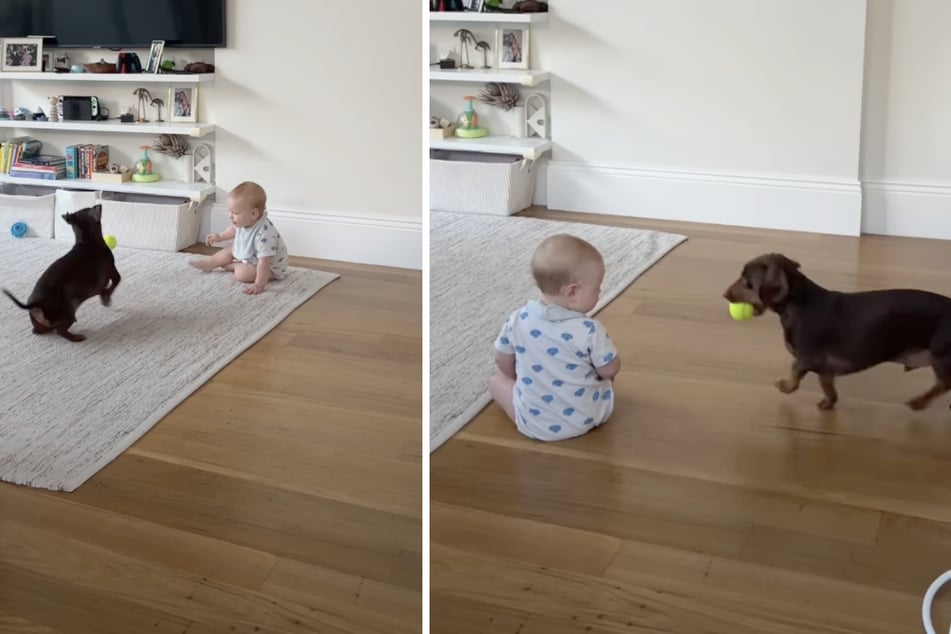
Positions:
(774, 284)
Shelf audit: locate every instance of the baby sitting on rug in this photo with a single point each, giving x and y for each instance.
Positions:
(258, 253)
(556, 364)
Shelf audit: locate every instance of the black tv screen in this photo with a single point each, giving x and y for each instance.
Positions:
(116, 23)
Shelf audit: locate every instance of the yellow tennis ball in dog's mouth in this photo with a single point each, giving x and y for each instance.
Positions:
(110, 241)
(741, 311)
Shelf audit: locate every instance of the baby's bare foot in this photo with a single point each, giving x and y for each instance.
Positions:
(202, 265)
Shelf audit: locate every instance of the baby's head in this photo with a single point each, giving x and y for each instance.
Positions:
(568, 272)
(246, 204)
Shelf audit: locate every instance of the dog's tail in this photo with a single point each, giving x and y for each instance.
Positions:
(15, 300)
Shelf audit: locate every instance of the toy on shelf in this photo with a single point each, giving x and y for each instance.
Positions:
(18, 229)
(143, 168)
(469, 122)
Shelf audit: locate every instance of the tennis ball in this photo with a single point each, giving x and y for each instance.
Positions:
(111, 242)
(741, 311)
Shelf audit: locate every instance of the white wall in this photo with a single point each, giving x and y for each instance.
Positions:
(736, 112)
(320, 102)
(906, 145)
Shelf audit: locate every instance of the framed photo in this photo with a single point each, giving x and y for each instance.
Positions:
(22, 54)
(155, 56)
(473, 5)
(183, 103)
(512, 44)
(48, 63)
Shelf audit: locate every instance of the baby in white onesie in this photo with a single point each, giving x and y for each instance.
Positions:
(258, 253)
(556, 364)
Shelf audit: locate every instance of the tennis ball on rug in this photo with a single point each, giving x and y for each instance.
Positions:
(110, 241)
(741, 311)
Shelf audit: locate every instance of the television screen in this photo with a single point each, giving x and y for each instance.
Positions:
(116, 23)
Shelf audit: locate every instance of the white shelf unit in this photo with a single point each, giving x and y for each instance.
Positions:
(193, 191)
(532, 147)
(493, 16)
(152, 127)
(197, 192)
(485, 75)
(137, 78)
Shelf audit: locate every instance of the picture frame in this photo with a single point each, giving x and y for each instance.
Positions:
(183, 104)
(21, 54)
(155, 56)
(49, 64)
(512, 46)
(475, 6)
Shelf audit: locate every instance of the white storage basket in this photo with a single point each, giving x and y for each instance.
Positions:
(30, 205)
(150, 222)
(67, 202)
(469, 182)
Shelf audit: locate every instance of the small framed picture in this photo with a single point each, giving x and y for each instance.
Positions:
(183, 103)
(512, 44)
(48, 64)
(473, 5)
(155, 56)
(22, 54)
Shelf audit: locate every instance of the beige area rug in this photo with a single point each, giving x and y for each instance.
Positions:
(68, 409)
(479, 273)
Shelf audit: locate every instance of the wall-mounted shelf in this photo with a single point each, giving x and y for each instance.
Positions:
(530, 148)
(472, 16)
(193, 191)
(155, 127)
(133, 78)
(484, 75)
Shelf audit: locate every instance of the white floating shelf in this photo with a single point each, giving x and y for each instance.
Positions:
(498, 75)
(155, 127)
(530, 148)
(193, 191)
(133, 78)
(472, 16)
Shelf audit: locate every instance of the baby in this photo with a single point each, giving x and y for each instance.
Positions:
(258, 253)
(556, 364)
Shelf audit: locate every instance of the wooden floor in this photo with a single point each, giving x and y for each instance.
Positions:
(283, 496)
(710, 503)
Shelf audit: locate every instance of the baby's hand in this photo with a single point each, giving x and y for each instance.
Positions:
(211, 239)
(253, 289)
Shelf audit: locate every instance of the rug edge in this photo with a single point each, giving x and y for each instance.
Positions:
(71, 484)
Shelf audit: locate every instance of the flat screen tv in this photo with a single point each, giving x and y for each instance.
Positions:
(116, 23)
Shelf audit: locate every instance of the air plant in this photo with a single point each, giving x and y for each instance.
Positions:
(504, 96)
(465, 37)
(144, 95)
(484, 47)
(174, 145)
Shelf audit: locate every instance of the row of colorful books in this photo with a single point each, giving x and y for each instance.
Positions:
(21, 157)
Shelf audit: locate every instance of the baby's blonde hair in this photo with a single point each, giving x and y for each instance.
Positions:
(556, 261)
(252, 193)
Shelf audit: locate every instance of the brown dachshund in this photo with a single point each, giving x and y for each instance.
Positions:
(833, 333)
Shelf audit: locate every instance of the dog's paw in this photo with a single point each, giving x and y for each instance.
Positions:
(785, 386)
(106, 300)
(917, 404)
(826, 404)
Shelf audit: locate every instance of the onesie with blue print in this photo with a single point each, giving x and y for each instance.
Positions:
(262, 239)
(557, 393)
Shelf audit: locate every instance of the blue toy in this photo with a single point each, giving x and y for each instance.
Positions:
(18, 229)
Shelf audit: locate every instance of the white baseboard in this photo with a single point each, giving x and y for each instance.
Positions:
(336, 236)
(916, 210)
(769, 202)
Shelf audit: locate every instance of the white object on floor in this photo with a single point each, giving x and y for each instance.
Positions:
(68, 409)
(479, 273)
(928, 601)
